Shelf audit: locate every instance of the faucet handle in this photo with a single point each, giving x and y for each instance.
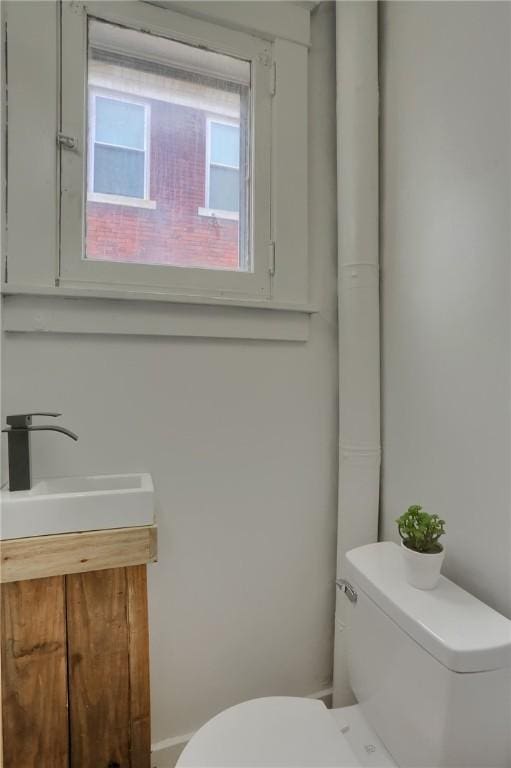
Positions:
(22, 420)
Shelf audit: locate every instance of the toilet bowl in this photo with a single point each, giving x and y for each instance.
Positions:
(286, 731)
(431, 672)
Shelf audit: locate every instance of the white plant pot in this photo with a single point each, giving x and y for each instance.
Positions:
(422, 570)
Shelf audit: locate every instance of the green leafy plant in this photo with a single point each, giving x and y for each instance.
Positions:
(420, 531)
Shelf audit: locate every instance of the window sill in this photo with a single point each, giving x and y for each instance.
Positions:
(107, 311)
(131, 202)
(213, 213)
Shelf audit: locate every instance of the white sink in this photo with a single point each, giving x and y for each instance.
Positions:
(67, 504)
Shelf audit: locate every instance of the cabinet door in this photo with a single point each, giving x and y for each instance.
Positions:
(108, 668)
(34, 677)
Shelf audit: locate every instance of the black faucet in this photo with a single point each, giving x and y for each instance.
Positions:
(18, 437)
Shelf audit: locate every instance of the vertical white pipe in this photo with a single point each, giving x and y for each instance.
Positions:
(358, 269)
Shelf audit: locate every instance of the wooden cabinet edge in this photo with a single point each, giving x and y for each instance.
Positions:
(58, 555)
(153, 547)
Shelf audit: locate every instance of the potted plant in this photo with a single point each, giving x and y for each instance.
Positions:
(422, 552)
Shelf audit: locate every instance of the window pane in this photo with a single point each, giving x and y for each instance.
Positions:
(118, 171)
(120, 122)
(180, 87)
(225, 144)
(224, 189)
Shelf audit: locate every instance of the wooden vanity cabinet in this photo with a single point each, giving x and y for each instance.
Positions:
(75, 665)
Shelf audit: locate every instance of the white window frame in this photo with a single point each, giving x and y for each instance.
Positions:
(45, 257)
(103, 197)
(76, 271)
(208, 210)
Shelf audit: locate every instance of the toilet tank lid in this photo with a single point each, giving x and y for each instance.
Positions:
(461, 632)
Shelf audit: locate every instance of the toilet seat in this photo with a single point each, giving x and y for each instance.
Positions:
(280, 731)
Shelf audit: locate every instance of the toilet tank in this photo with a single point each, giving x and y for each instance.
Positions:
(430, 669)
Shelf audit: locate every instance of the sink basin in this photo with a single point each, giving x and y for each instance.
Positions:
(69, 504)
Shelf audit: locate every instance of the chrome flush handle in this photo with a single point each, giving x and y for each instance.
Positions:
(348, 590)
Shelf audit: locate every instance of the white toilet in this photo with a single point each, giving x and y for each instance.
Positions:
(431, 671)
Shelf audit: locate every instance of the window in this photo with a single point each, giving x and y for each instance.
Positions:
(170, 198)
(222, 169)
(118, 148)
(160, 114)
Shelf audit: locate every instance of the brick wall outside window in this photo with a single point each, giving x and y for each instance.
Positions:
(173, 233)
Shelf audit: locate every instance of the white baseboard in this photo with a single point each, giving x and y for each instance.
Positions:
(164, 754)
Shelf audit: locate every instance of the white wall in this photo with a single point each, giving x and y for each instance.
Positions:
(446, 163)
(240, 438)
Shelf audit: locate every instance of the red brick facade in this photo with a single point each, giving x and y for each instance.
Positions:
(174, 233)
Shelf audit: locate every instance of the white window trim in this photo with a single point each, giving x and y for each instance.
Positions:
(217, 213)
(75, 271)
(132, 202)
(94, 313)
(103, 197)
(34, 257)
(208, 210)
